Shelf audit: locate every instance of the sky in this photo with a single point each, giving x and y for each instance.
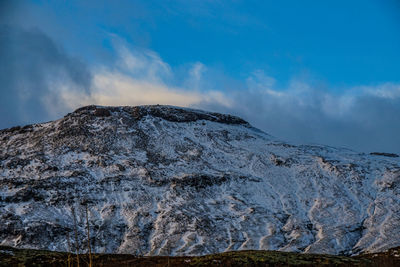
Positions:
(324, 72)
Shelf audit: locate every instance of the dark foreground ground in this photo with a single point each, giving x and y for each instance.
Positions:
(27, 257)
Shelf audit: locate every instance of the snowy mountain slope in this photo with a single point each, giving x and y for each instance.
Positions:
(165, 180)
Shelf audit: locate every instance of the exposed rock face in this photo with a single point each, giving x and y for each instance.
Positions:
(164, 180)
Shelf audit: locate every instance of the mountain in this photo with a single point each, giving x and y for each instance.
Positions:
(160, 180)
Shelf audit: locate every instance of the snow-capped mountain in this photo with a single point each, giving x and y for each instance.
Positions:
(163, 180)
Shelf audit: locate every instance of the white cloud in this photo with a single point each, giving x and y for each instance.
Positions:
(259, 80)
(362, 118)
(143, 64)
(141, 77)
(113, 88)
(197, 71)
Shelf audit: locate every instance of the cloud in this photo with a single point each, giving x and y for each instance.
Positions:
(140, 77)
(41, 82)
(32, 70)
(142, 64)
(196, 73)
(114, 88)
(363, 118)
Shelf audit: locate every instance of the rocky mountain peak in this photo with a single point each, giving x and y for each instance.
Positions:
(169, 113)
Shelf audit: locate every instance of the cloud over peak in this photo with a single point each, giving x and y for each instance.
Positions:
(41, 82)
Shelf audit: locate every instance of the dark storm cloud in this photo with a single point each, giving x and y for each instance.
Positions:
(33, 69)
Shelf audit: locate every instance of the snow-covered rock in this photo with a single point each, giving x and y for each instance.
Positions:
(166, 180)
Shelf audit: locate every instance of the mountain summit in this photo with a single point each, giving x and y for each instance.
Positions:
(160, 180)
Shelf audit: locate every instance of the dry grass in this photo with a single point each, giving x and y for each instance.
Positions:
(27, 257)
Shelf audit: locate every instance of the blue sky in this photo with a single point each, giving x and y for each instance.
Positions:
(306, 71)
